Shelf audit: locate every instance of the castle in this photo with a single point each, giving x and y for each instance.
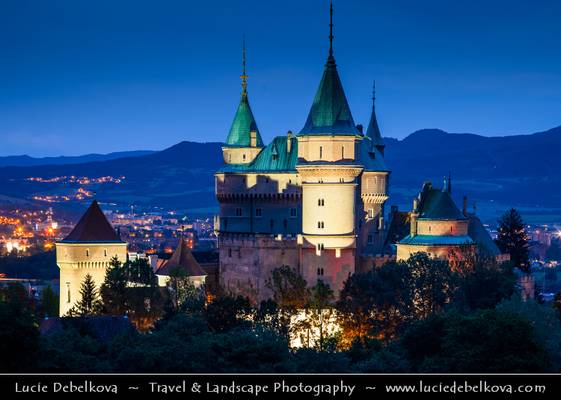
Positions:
(313, 201)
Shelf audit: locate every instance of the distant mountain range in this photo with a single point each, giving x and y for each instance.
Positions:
(495, 172)
(27, 161)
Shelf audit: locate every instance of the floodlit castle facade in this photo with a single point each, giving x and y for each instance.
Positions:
(313, 201)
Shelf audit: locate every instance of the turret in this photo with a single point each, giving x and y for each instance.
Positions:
(373, 131)
(244, 140)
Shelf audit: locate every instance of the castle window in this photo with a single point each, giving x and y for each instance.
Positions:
(320, 152)
(371, 213)
(321, 224)
(320, 246)
(320, 271)
(258, 212)
(68, 292)
(321, 202)
(105, 252)
(230, 253)
(429, 228)
(369, 239)
(342, 151)
(293, 212)
(238, 212)
(275, 157)
(87, 252)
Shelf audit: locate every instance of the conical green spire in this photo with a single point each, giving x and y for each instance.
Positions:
(373, 131)
(330, 112)
(244, 121)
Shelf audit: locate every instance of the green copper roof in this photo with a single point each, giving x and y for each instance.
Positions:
(243, 124)
(433, 240)
(273, 158)
(438, 204)
(330, 112)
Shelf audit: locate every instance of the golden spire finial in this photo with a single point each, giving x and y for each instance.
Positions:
(243, 75)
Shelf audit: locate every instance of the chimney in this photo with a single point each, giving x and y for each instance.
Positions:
(465, 206)
(253, 138)
(289, 141)
(359, 128)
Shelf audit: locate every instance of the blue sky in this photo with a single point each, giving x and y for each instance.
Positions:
(101, 76)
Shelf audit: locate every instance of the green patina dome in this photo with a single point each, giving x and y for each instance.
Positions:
(330, 112)
(243, 124)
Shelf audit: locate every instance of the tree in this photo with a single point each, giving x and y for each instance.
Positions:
(319, 312)
(485, 284)
(132, 289)
(512, 239)
(433, 284)
(486, 341)
(290, 290)
(19, 336)
(182, 290)
(290, 293)
(226, 313)
(113, 290)
(89, 303)
(372, 305)
(49, 302)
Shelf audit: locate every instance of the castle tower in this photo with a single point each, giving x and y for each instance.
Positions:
(438, 227)
(88, 249)
(328, 165)
(374, 192)
(244, 140)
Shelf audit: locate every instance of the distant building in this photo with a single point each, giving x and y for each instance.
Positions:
(88, 249)
(437, 227)
(183, 260)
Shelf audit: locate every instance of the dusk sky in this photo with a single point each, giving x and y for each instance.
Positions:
(100, 76)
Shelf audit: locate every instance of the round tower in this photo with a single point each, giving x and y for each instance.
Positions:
(88, 249)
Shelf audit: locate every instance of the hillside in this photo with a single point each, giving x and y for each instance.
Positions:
(496, 172)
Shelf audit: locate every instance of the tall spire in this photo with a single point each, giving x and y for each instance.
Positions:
(244, 121)
(330, 113)
(373, 131)
(243, 75)
(331, 29)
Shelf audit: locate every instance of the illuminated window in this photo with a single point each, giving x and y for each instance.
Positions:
(321, 224)
(371, 213)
